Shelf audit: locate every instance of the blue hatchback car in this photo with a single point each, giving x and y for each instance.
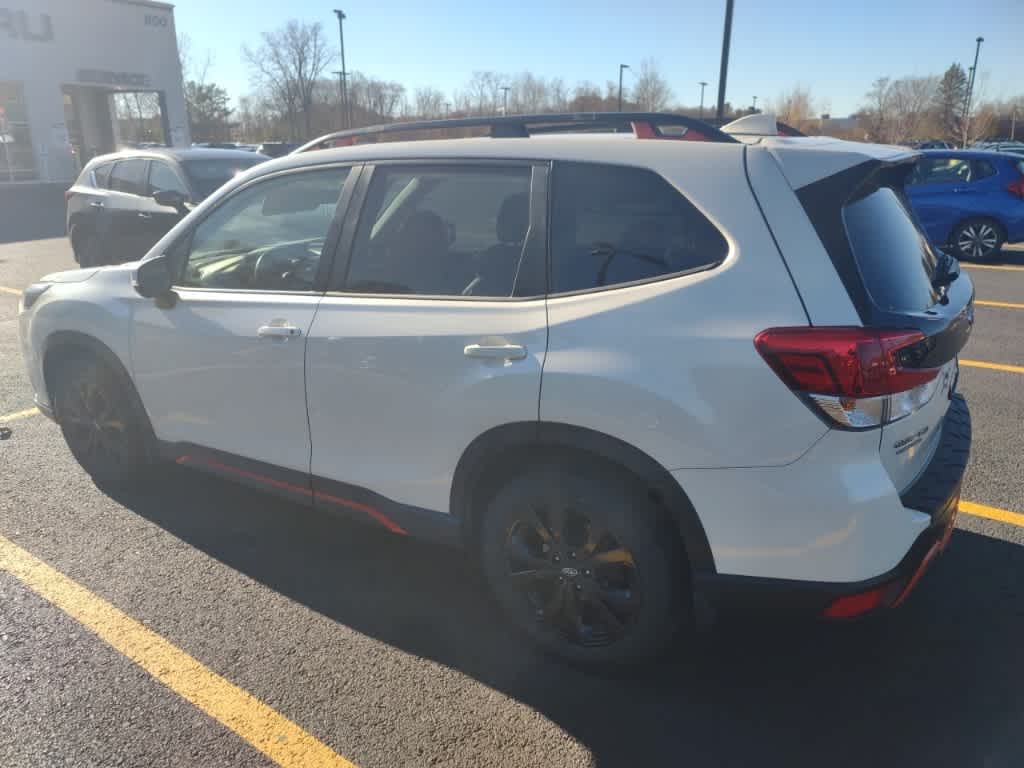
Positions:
(968, 200)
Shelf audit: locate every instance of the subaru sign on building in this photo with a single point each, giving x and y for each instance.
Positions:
(84, 77)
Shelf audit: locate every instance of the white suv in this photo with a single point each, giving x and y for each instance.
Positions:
(635, 374)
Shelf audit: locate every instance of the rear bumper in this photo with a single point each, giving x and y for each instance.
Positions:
(935, 493)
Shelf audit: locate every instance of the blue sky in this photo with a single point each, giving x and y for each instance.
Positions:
(836, 48)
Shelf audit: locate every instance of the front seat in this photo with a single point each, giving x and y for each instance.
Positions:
(420, 253)
(500, 263)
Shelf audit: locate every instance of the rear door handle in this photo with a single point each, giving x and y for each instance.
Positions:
(496, 351)
(278, 332)
(96, 204)
(144, 215)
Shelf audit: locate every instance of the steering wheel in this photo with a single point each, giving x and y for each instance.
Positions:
(290, 266)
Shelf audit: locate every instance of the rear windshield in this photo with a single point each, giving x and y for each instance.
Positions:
(893, 256)
(207, 175)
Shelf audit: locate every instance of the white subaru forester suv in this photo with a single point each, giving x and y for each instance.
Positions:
(640, 368)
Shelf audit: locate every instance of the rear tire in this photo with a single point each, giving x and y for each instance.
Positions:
(573, 556)
(977, 239)
(98, 414)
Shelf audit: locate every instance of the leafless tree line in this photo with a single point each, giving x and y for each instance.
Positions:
(296, 96)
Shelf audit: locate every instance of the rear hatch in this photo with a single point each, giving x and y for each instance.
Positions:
(910, 285)
(896, 373)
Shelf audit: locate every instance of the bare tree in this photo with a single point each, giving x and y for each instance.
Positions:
(559, 95)
(429, 102)
(796, 107)
(650, 90)
(873, 113)
(374, 100)
(287, 66)
(908, 107)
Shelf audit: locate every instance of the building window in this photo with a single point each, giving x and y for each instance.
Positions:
(17, 161)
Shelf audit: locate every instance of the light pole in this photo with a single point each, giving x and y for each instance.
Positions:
(754, 107)
(1013, 123)
(622, 67)
(702, 84)
(347, 107)
(341, 95)
(970, 89)
(724, 71)
(446, 105)
(504, 100)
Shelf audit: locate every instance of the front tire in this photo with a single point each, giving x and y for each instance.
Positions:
(573, 556)
(97, 413)
(977, 239)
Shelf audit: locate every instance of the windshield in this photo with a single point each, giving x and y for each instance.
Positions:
(892, 254)
(207, 175)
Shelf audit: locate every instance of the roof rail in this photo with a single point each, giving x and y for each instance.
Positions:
(643, 125)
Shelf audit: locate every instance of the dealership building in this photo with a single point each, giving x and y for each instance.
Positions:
(80, 78)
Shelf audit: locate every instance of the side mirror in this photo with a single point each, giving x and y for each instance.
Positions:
(152, 278)
(170, 198)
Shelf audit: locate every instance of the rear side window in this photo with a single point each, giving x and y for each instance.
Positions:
(894, 258)
(129, 176)
(612, 225)
(941, 170)
(982, 170)
(442, 231)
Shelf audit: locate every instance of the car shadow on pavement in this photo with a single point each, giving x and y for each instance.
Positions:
(940, 682)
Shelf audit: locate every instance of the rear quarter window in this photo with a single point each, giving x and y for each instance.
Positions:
(894, 258)
(612, 225)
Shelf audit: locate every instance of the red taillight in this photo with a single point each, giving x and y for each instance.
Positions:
(854, 377)
(1017, 188)
(846, 362)
(67, 194)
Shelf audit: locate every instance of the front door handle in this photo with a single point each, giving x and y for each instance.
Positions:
(96, 204)
(278, 332)
(496, 351)
(144, 215)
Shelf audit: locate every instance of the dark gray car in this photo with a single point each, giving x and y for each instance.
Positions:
(121, 204)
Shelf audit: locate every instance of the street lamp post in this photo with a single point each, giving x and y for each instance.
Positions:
(347, 107)
(504, 99)
(702, 84)
(447, 104)
(341, 95)
(621, 68)
(724, 71)
(970, 89)
(754, 107)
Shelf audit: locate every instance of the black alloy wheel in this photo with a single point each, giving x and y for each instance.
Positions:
(578, 558)
(575, 575)
(99, 421)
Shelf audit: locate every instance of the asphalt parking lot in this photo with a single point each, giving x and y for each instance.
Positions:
(196, 623)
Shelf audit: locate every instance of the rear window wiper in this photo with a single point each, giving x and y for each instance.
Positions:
(947, 269)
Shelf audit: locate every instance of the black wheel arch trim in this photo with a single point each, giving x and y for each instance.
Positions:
(486, 457)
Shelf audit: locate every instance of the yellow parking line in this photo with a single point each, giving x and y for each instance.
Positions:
(19, 415)
(992, 513)
(992, 366)
(1004, 267)
(1000, 304)
(268, 731)
(4, 289)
